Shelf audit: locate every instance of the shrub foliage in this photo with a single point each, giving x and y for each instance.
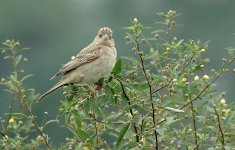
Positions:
(162, 97)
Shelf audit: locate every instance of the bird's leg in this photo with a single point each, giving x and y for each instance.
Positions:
(98, 86)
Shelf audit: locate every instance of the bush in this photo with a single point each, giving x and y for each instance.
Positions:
(162, 98)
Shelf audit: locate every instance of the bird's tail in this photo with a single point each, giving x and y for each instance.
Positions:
(58, 85)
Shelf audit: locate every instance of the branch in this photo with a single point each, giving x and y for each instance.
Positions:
(6, 138)
(194, 126)
(220, 128)
(150, 92)
(94, 118)
(3, 135)
(131, 111)
(36, 125)
(166, 85)
(10, 114)
(74, 131)
(206, 87)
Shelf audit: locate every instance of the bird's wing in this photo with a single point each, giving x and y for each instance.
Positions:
(84, 57)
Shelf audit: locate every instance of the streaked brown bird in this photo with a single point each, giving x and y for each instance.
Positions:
(90, 64)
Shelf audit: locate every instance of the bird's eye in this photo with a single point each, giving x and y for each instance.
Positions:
(100, 35)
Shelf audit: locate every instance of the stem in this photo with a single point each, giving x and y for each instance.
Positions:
(96, 134)
(36, 125)
(13, 52)
(6, 138)
(206, 87)
(75, 132)
(181, 71)
(220, 128)
(222, 70)
(3, 135)
(194, 125)
(131, 111)
(94, 118)
(10, 113)
(150, 93)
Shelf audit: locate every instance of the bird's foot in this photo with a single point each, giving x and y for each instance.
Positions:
(97, 87)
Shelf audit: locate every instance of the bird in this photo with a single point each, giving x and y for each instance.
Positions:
(91, 64)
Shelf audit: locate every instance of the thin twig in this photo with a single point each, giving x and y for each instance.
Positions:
(6, 138)
(74, 131)
(166, 85)
(22, 100)
(204, 89)
(94, 118)
(220, 127)
(96, 134)
(194, 125)
(36, 125)
(100, 121)
(3, 135)
(131, 111)
(14, 65)
(10, 113)
(150, 92)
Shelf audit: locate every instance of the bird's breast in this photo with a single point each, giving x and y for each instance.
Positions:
(108, 59)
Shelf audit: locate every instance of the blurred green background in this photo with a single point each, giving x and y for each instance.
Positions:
(57, 29)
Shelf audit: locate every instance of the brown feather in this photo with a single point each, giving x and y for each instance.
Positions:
(81, 59)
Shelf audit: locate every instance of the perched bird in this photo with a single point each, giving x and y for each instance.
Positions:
(90, 64)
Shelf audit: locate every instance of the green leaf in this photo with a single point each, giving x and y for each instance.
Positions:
(173, 109)
(19, 116)
(85, 137)
(96, 108)
(51, 121)
(199, 66)
(130, 59)
(122, 134)
(118, 67)
(160, 132)
(152, 55)
(180, 42)
(23, 49)
(230, 51)
(87, 106)
(30, 95)
(140, 86)
(6, 57)
(157, 31)
(212, 128)
(78, 120)
(26, 77)
(131, 39)
(18, 59)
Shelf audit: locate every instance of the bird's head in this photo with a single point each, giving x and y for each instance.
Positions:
(104, 37)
